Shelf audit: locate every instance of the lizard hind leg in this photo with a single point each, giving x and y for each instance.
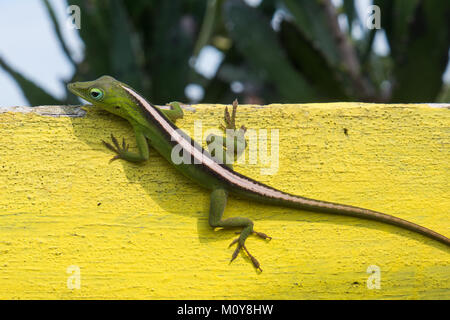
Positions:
(217, 207)
(227, 149)
(235, 136)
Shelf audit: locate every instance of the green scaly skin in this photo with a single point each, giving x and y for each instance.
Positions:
(114, 97)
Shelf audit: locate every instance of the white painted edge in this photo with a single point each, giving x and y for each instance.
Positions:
(187, 107)
(51, 111)
(77, 110)
(439, 105)
(65, 111)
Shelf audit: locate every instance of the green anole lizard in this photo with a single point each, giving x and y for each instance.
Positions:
(155, 127)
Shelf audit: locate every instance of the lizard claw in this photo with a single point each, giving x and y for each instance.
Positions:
(262, 235)
(235, 253)
(255, 262)
(233, 242)
(230, 120)
(259, 234)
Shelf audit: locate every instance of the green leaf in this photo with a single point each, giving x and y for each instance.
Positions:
(209, 20)
(57, 30)
(366, 45)
(396, 18)
(444, 96)
(350, 12)
(171, 50)
(35, 95)
(258, 43)
(311, 62)
(114, 47)
(124, 48)
(96, 34)
(418, 73)
(311, 20)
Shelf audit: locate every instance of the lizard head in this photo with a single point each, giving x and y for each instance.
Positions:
(105, 92)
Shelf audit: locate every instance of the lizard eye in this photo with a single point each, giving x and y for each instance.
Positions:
(96, 93)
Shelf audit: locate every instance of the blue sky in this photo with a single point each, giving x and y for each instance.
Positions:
(28, 44)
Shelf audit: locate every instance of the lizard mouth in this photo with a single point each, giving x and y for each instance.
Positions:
(76, 90)
(72, 87)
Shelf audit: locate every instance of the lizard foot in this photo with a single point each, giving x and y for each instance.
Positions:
(242, 246)
(230, 120)
(116, 148)
(235, 138)
(259, 234)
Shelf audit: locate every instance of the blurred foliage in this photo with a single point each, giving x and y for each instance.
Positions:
(444, 97)
(280, 51)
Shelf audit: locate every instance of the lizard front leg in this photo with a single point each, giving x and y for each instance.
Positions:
(217, 207)
(122, 151)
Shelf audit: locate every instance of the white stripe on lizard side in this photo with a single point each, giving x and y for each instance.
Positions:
(214, 166)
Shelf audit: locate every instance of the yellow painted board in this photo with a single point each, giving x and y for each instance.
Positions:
(73, 226)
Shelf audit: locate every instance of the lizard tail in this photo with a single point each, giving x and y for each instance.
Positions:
(340, 209)
(253, 190)
(277, 197)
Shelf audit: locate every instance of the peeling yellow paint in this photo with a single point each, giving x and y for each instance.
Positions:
(141, 231)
